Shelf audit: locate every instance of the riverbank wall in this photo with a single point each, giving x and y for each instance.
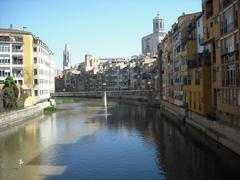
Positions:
(220, 131)
(15, 117)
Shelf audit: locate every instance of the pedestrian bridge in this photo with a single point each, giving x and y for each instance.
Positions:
(121, 94)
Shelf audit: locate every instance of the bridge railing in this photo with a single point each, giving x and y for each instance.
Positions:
(120, 93)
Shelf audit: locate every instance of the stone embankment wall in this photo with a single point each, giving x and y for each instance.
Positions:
(14, 117)
(220, 131)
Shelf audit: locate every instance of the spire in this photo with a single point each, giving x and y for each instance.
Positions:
(66, 47)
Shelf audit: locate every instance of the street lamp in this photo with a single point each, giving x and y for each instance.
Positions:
(149, 84)
(104, 85)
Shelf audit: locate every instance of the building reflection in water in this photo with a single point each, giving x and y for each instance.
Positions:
(182, 152)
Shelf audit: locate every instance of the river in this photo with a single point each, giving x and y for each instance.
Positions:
(82, 140)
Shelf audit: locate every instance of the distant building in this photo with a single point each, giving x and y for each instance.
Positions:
(58, 72)
(29, 61)
(66, 58)
(151, 41)
(91, 63)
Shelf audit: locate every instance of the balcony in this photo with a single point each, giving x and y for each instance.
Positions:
(17, 48)
(17, 73)
(4, 39)
(201, 59)
(17, 61)
(230, 56)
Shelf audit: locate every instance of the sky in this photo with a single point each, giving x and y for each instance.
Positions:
(103, 28)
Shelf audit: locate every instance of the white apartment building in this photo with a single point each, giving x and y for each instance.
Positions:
(11, 57)
(43, 71)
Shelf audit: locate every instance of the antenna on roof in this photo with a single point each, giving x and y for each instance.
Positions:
(24, 28)
(11, 26)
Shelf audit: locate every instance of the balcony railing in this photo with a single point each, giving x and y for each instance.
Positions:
(201, 59)
(227, 28)
(18, 61)
(17, 75)
(230, 56)
(17, 50)
(230, 82)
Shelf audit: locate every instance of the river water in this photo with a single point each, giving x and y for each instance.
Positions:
(84, 141)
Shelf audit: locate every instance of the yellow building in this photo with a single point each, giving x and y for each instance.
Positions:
(199, 73)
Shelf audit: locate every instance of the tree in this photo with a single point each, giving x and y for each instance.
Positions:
(10, 93)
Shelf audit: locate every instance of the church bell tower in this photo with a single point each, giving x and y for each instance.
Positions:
(158, 24)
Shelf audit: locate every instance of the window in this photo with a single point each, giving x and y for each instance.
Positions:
(35, 81)
(4, 60)
(214, 75)
(4, 48)
(238, 97)
(35, 60)
(197, 77)
(20, 82)
(224, 96)
(194, 99)
(231, 74)
(35, 49)
(199, 102)
(36, 92)
(217, 19)
(229, 44)
(228, 96)
(218, 43)
(35, 72)
(189, 78)
(190, 99)
(234, 97)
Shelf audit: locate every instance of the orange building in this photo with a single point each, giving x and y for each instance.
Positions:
(221, 37)
(167, 64)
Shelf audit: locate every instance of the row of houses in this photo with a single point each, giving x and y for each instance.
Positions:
(201, 62)
(139, 73)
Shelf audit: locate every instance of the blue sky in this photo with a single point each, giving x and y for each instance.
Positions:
(103, 28)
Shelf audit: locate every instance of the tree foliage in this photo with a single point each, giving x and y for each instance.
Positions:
(10, 93)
